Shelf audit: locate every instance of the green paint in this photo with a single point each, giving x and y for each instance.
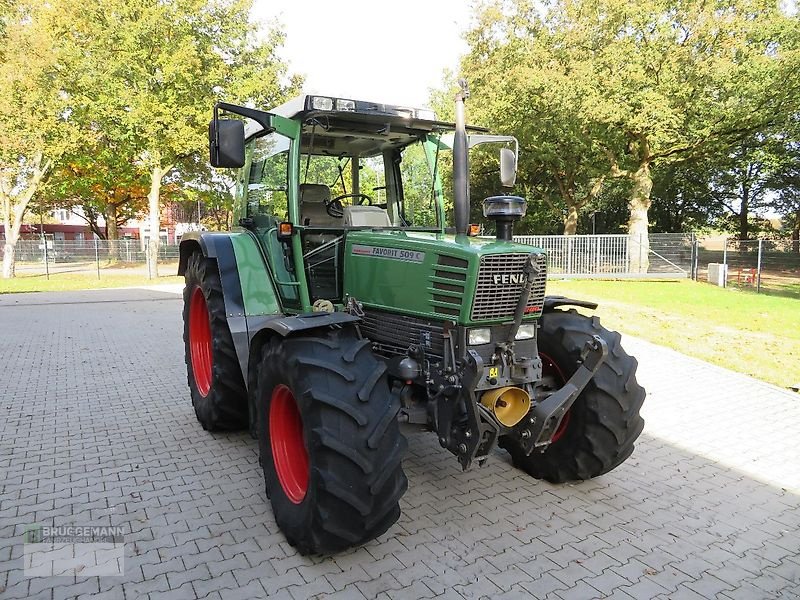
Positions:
(284, 281)
(258, 291)
(409, 286)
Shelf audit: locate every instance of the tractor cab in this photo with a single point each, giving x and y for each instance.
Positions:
(322, 167)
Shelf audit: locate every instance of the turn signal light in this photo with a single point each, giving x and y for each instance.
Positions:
(474, 229)
(285, 230)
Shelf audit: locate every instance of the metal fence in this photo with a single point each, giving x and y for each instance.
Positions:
(52, 257)
(670, 255)
(577, 256)
(764, 266)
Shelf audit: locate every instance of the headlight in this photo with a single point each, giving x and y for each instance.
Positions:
(348, 105)
(526, 332)
(321, 103)
(476, 337)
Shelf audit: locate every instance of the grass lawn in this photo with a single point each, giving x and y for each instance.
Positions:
(754, 334)
(60, 282)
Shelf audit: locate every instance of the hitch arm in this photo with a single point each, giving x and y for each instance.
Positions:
(548, 414)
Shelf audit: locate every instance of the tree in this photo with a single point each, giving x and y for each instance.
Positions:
(537, 104)
(742, 181)
(34, 112)
(152, 71)
(785, 183)
(103, 183)
(625, 86)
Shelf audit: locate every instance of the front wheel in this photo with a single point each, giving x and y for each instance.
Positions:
(330, 445)
(599, 431)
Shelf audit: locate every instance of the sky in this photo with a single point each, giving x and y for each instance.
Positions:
(391, 52)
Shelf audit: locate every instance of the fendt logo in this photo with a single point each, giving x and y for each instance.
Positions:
(509, 278)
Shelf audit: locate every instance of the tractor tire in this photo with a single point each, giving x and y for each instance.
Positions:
(598, 432)
(215, 379)
(329, 441)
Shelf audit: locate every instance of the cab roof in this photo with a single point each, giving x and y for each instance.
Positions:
(342, 126)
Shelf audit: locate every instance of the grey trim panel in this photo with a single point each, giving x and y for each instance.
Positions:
(288, 325)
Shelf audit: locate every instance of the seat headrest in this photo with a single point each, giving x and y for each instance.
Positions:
(314, 192)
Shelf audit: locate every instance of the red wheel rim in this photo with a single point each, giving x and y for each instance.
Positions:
(550, 368)
(200, 342)
(288, 450)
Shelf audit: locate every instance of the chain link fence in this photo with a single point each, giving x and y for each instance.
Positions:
(764, 266)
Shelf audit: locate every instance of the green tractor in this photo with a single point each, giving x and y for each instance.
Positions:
(343, 305)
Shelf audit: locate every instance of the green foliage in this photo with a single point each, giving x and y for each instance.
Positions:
(151, 70)
(114, 92)
(35, 123)
(601, 89)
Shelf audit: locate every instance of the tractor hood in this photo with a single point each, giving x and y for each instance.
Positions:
(437, 276)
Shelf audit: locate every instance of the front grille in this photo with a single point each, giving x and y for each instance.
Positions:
(392, 334)
(496, 298)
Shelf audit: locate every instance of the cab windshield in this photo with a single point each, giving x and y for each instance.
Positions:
(349, 181)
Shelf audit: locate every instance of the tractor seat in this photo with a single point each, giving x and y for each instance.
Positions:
(366, 216)
(313, 197)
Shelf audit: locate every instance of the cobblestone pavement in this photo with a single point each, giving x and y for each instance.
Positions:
(97, 429)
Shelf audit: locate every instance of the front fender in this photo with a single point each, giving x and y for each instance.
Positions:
(553, 302)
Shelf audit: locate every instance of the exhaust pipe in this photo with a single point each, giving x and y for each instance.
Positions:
(461, 163)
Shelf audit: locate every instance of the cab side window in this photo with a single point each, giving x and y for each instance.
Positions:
(269, 178)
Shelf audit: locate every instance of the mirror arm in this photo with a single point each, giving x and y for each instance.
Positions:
(259, 116)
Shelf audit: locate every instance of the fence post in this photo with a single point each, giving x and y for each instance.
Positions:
(640, 253)
(725, 262)
(597, 255)
(46, 260)
(569, 255)
(758, 270)
(97, 258)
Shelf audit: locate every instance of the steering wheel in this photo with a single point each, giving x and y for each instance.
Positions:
(335, 208)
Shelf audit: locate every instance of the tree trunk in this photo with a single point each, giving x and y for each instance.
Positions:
(112, 233)
(796, 234)
(571, 220)
(14, 207)
(744, 212)
(639, 204)
(9, 257)
(154, 200)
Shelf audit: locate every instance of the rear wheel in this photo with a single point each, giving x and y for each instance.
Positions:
(215, 379)
(599, 431)
(330, 445)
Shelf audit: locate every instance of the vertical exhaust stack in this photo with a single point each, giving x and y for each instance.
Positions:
(461, 163)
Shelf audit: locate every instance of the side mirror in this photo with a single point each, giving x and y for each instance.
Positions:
(226, 143)
(508, 167)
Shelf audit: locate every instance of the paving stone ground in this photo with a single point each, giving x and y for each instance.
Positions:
(97, 428)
